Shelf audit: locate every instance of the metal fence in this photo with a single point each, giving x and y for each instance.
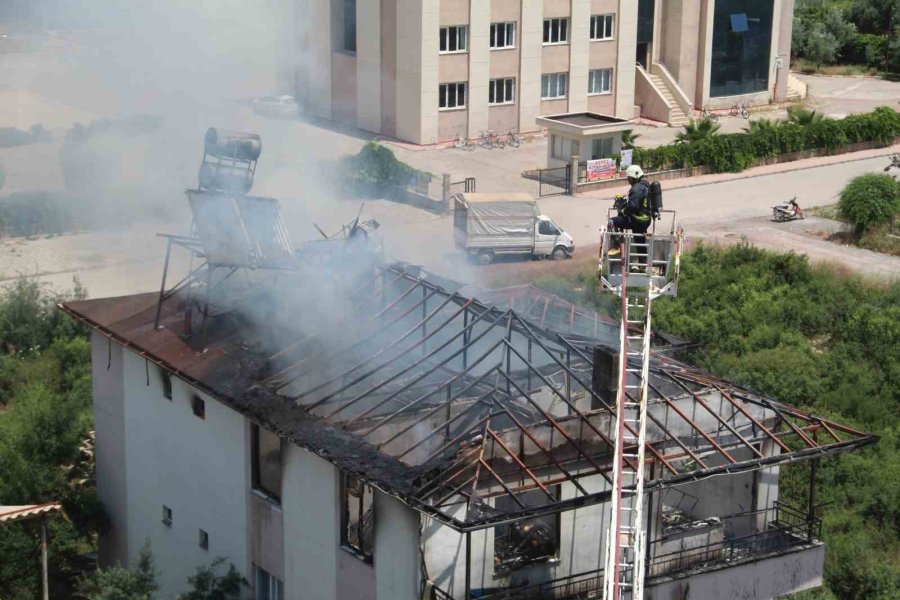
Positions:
(552, 182)
(467, 186)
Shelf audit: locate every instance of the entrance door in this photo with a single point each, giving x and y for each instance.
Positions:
(643, 55)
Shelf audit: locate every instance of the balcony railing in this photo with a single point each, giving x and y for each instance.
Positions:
(786, 527)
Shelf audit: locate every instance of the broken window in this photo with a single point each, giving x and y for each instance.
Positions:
(522, 543)
(357, 517)
(198, 406)
(266, 462)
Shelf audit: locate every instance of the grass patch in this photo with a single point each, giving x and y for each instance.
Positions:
(829, 211)
(808, 68)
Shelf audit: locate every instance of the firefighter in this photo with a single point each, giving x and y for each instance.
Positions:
(635, 212)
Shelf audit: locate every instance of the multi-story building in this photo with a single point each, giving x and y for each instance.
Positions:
(357, 430)
(427, 71)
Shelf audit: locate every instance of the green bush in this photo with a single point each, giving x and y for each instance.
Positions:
(376, 165)
(11, 137)
(870, 200)
(34, 213)
(738, 151)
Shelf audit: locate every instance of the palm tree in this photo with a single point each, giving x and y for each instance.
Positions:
(628, 139)
(802, 116)
(698, 130)
(762, 126)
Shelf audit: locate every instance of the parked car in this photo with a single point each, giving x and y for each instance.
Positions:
(284, 107)
(487, 225)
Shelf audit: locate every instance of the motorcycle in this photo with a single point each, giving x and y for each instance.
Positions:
(787, 212)
(893, 169)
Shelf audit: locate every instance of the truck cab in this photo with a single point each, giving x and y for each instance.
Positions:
(551, 241)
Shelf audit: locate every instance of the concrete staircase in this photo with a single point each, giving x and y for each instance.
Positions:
(677, 117)
(797, 89)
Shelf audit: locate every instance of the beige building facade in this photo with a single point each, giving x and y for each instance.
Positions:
(429, 71)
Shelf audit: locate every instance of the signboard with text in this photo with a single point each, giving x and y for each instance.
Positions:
(627, 158)
(602, 168)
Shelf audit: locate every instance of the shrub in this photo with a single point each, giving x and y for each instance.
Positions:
(376, 165)
(807, 130)
(33, 213)
(869, 200)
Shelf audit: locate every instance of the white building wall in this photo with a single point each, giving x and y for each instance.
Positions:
(309, 503)
(397, 553)
(626, 34)
(109, 424)
(368, 65)
(197, 467)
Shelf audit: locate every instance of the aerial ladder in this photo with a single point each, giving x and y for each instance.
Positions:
(645, 268)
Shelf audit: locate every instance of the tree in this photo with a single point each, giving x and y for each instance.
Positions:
(803, 116)
(207, 584)
(628, 139)
(697, 130)
(117, 583)
(869, 200)
(820, 45)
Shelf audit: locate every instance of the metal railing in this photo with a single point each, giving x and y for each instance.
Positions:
(786, 527)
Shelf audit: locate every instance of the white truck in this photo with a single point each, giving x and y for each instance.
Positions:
(488, 225)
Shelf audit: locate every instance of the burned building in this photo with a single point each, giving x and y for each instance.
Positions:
(340, 428)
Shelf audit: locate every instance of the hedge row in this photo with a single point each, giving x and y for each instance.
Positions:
(738, 151)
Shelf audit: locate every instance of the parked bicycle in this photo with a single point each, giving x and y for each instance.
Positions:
(708, 114)
(741, 109)
(496, 140)
(512, 139)
(486, 140)
(463, 143)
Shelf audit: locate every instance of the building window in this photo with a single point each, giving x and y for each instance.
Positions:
(502, 91)
(350, 25)
(451, 95)
(602, 27)
(527, 542)
(560, 147)
(265, 463)
(600, 81)
(553, 85)
(601, 148)
(167, 516)
(556, 31)
(166, 383)
(357, 517)
(266, 585)
(198, 406)
(741, 45)
(503, 35)
(204, 540)
(454, 39)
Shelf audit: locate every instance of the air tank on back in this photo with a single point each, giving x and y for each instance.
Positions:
(229, 160)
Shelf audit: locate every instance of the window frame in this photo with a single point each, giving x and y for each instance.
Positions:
(166, 383)
(565, 93)
(509, 30)
(562, 31)
(256, 433)
(446, 95)
(464, 29)
(349, 25)
(275, 592)
(609, 18)
(591, 79)
(500, 83)
(198, 406)
(359, 551)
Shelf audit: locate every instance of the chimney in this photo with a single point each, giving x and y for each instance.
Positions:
(604, 379)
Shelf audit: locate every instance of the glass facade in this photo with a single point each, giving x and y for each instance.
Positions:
(742, 39)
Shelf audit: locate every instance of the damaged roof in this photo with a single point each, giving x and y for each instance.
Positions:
(447, 402)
